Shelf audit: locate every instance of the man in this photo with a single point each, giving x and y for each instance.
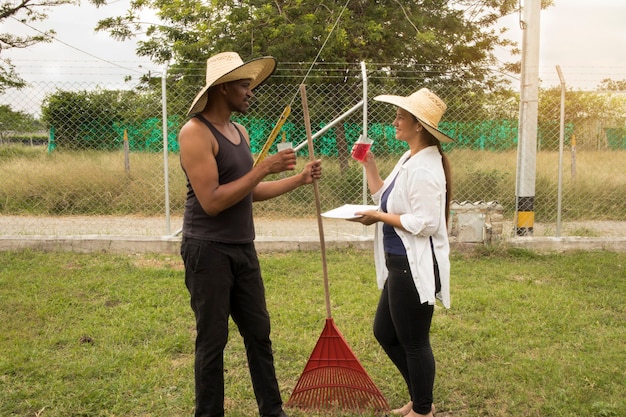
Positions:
(222, 271)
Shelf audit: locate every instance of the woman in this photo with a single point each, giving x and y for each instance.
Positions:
(411, 249)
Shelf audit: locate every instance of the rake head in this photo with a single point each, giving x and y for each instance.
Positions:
(333, 378)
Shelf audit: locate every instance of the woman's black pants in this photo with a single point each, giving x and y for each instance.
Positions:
(402, 327)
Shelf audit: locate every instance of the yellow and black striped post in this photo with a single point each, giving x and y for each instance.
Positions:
(525, 215)
(528, 120)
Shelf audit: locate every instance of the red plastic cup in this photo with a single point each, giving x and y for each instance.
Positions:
(360, 148)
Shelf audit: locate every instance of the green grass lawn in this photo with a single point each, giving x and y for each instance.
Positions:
(112, 335)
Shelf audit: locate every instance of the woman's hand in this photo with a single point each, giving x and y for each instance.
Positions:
(368, 161)
(367, 217)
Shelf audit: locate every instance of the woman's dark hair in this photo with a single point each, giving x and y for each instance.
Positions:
(431, 140)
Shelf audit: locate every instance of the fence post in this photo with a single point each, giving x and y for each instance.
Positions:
(561, 139)
(364, 180)
(126, 153)
(527, 144)
(573, 150)
(51, 144)
(166, 175)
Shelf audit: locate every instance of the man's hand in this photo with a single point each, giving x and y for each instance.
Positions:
(312, 171)
(284, 160)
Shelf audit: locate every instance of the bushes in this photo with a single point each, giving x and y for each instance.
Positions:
(97, 120)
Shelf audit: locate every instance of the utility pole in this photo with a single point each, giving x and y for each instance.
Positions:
(529, 103)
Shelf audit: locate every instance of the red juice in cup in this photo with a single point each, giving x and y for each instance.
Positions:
(360, 148)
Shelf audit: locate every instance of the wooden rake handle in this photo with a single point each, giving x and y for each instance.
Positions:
(318, 206)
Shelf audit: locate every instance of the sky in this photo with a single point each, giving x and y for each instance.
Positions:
(78, 53)
(586, 38)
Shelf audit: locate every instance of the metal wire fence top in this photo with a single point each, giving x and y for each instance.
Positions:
(96, 148)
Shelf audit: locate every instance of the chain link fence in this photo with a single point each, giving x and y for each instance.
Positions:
(91, 149)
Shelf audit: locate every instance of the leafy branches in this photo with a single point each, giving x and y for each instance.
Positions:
(23, 11)
(431, 36)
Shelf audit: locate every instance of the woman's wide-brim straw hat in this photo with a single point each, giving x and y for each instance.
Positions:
(228, 66)
(426, 106)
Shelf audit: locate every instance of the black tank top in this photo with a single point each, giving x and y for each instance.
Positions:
(235, 224)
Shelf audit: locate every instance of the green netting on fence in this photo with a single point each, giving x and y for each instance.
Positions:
(489, 135)
(493, 135)
(148, 136)
(616, 137)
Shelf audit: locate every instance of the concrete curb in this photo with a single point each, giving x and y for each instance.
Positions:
(567, 244)
(165, 244)
(171, 245)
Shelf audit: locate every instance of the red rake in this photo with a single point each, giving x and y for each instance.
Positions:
(333, 377)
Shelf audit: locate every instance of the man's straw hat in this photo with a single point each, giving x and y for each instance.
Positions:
(228, 66)
(426, 106)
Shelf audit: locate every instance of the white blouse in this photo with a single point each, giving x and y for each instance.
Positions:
(419, 197)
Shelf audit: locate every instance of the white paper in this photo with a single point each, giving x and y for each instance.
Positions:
(347, 211)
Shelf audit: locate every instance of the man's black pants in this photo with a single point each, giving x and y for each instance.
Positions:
(225, 280)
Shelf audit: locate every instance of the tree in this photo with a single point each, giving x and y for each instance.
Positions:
(439, 42)
(24, 11)
(17, 123)
(587, 115)
(449, 40)
(97, 119)
(612, 85)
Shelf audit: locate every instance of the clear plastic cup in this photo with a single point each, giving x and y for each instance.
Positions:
(281, 146)
(360, 148)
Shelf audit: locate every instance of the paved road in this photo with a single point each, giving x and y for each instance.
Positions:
(270, 228)
(145, 234)
(157, 227)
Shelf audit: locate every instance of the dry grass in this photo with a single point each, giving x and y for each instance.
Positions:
(93, 182)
